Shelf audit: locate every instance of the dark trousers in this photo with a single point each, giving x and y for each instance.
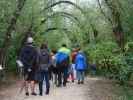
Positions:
(46, 75)
(62, 75)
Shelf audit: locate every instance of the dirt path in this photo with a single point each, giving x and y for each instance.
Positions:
(93, 89)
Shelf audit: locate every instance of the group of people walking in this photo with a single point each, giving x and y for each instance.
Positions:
(41, 64)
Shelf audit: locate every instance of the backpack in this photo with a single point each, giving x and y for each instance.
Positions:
(62, 58)
(44, 59)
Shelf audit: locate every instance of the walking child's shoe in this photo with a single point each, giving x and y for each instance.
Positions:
(40, 94)
(72, 81)
(47, 92)
(27, 94)
(33, 94)
(82, 82)
(78, 82)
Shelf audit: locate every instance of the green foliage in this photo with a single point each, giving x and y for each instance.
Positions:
(102, 50)
(110, 61)
(11, 61)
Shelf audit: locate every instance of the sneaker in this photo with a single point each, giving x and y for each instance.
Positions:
(47, 91)
(33, 94)
(27, 94)
(78, 82)
(82, 82)
(72, 81)
(64, 85)
(40, 94)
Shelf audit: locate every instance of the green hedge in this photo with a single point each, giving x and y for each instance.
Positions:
(110, 61)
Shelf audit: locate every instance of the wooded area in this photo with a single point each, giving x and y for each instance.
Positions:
(103, 28)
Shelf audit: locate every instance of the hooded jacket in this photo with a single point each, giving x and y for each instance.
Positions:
(28, 56)
(80, 62)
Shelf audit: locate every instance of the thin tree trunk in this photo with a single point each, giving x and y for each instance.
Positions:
(117, 25)
(26, 34)
(104, 14)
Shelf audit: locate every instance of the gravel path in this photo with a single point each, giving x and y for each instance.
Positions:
(93, 89)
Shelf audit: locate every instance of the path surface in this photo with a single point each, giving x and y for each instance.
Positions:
(93, 89)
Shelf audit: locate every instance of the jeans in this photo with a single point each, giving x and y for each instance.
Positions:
(46, 75)
(80, 75)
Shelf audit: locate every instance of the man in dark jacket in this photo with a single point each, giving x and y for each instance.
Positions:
(28, 57)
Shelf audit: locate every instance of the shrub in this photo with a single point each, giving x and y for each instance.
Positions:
(110, 61)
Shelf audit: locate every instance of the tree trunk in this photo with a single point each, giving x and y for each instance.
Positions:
(117, 26)
(7, 39)
(118, 32)
(26, 34)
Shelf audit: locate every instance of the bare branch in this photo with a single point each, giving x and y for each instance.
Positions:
(109, 19)
(64, 2)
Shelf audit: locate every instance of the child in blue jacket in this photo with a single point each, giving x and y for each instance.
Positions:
(81, 66)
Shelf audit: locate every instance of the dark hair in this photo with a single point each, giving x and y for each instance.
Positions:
(44, 46)
(64, 45)
(79, 48)
(54, 51)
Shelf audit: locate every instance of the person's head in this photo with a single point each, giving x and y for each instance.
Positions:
(74, 50)
(64, 45)
(30, 40)
(44, 46)
(78, 49)
(54, 51)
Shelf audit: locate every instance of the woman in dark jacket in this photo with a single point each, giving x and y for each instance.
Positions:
(44, 63)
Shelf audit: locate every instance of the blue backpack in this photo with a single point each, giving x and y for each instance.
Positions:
(61, 57)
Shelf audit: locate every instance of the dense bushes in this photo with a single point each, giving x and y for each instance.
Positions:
(110, 61)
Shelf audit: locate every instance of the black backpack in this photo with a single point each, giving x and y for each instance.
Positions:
(44, 56)
(44, 59)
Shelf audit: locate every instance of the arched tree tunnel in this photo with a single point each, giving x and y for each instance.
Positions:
(64, 2)
(72, 17)
(16, 15)
(67, 31)
(63, 14)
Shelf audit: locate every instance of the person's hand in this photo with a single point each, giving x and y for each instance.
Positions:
(29, 70)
